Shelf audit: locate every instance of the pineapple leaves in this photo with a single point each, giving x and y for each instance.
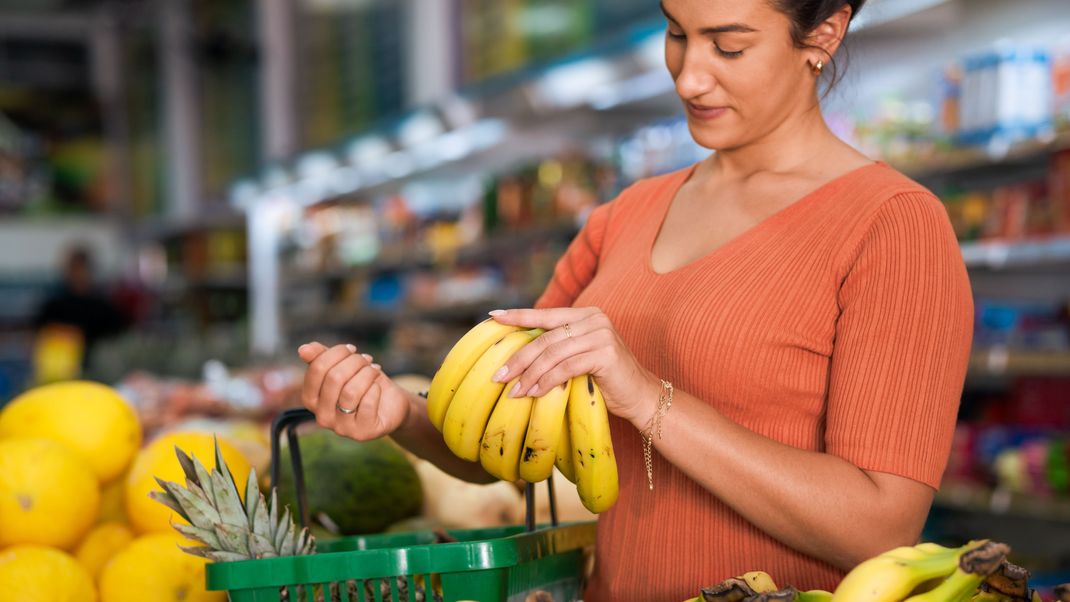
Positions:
(230, 527)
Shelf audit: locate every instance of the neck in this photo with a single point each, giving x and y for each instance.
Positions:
(792, 145)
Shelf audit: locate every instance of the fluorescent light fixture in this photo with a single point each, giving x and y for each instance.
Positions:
(398, 164)
(366, 152)
(486, 133)
(651, 51)
(568, 86)
(634, 89)
(458, 111)
(316, 165)
(276, 177)
(420, 128)
(244, 193)
(344, 180)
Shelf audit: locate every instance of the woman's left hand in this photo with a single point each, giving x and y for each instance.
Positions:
(579, 340)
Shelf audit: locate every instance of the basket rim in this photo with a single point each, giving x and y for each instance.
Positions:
(417, 559)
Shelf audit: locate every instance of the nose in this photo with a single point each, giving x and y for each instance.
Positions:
(695, 78)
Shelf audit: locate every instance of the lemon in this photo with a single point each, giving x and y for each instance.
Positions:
(102, 543)
(30, 573)
(158, 460)
(47, 495)
(89, 418)
(153, 569)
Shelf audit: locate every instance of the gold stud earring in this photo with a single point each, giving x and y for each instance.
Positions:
(817, 67)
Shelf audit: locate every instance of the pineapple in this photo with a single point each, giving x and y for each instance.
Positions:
(217, 517)
(232, 529)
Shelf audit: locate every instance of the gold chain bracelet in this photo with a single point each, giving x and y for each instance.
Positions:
(654, 425)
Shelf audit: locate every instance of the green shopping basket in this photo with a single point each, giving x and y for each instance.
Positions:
(507, 564)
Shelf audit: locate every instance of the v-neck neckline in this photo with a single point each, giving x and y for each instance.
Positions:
(747, 234)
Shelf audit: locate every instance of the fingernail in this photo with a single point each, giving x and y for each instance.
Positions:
(515, 390)
(302, 348)
(366, 357)
(377, 366)
(533, 391)
(496, 312)
(499, 376)
(351, 348)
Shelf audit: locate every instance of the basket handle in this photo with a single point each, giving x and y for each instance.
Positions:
(289, 420)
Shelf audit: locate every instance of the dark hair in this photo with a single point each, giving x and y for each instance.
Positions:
(806, 15)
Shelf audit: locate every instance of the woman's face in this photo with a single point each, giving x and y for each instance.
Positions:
(736, 69)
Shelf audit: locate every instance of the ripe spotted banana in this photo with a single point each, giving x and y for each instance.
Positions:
(470, 408)
(973, 566)
(592, 446)
(563, 462)
(503, 439)
(893, 575)
(458, 362)
(544, 432)
(759, 581)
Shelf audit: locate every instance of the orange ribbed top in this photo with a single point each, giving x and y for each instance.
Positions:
(841, 324)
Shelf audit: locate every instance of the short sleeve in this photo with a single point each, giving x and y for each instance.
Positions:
(902, 343)
(576, 268)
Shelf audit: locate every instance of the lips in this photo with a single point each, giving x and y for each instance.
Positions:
(703, 112)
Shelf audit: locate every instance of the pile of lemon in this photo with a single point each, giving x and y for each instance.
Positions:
(76, 521)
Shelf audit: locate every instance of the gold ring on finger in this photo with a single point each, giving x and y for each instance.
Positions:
(568, 331)
(345, 410)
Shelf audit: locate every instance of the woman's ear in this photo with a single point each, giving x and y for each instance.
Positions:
(829, 33)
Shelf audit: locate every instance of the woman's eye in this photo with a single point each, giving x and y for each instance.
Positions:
(674, 35)
(728, 53)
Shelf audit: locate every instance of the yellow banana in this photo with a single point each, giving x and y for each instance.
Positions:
(504, 437)
(563, 462)
(592, 446)
(544, 432)
(759, 581)
(458, 362)
(814, 595)
(972, 568)
(470, 408)
(893, 575)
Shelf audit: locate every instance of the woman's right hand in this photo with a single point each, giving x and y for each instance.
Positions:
(338, 378)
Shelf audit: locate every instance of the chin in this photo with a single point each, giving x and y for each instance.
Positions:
(713, 138)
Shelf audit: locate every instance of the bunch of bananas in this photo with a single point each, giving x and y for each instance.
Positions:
(522, 438)
(976, 572)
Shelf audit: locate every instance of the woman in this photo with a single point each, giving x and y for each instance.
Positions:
(808, 305)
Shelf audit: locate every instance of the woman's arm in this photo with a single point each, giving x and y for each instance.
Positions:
(815, 502)
(420, 437)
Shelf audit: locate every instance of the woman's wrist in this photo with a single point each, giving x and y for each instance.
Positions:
(646, 402)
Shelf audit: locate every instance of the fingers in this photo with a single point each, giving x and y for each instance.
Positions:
(546, 319)
(367, 423)
(345, 374)
(575, 365)
(317, 371)
(310, 351)
(550, 357)
(550, 347)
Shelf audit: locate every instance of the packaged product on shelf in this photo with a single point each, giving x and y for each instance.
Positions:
(1059, 188)
(1006, 96)
(1060, 79)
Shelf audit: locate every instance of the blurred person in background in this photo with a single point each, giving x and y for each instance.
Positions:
(805, 308)
(71, 321)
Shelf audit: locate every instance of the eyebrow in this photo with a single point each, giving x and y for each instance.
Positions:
(730, 27)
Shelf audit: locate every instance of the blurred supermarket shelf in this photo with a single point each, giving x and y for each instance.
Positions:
(1000, 361)
(1001, 254)
(949, 161)
(997, 502)
(604, 90)
(402, 258)
(380, 318)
